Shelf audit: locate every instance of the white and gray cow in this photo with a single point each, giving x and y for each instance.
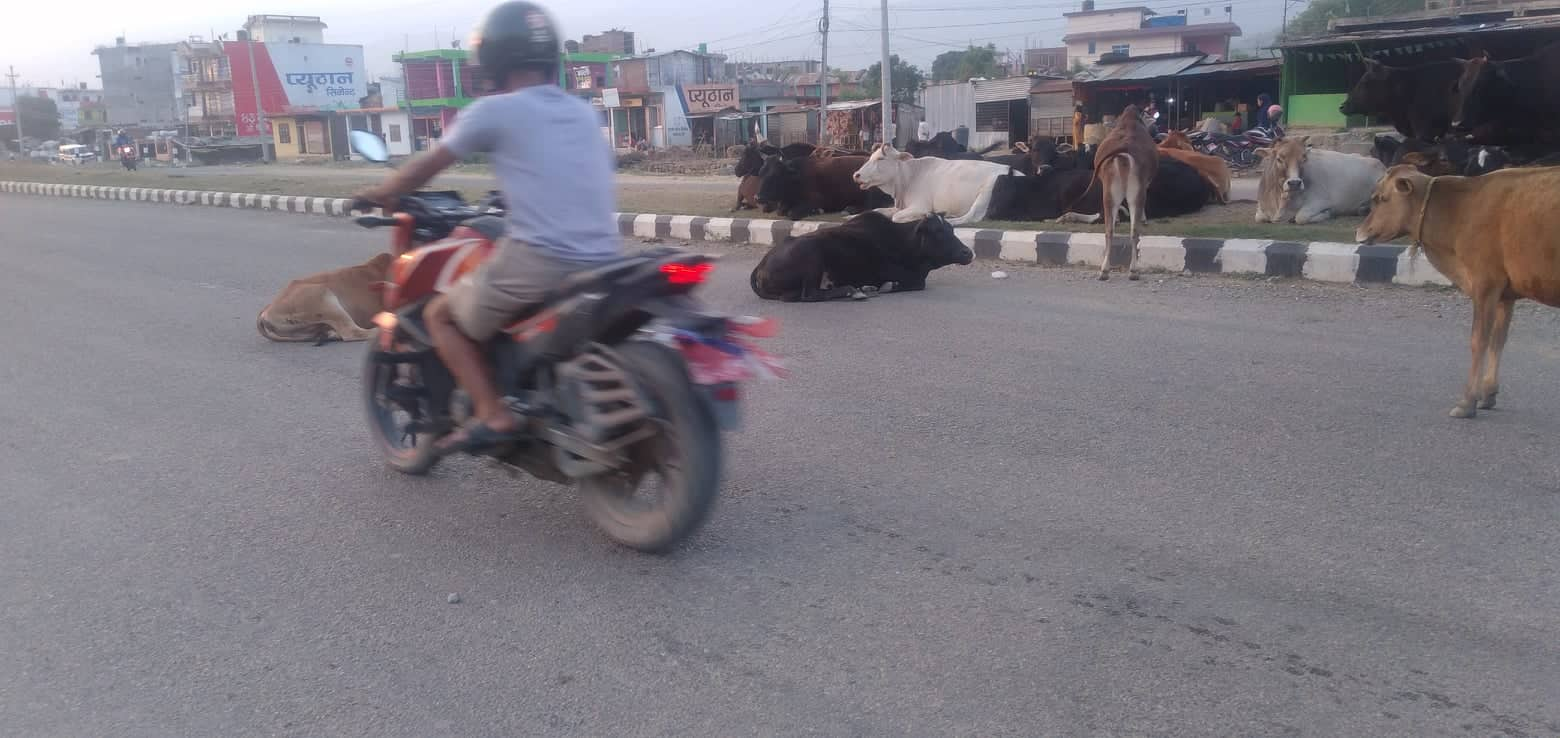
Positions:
(1307, 185)
(924, 186)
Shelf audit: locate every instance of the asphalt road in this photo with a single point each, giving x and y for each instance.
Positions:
(1033, 506)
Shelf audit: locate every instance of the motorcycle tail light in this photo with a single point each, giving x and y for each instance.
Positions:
(686, 275)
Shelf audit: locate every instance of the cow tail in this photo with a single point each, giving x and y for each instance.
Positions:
(1094, 176)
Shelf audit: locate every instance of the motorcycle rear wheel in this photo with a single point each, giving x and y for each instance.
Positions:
(685, 457)
(405, 452)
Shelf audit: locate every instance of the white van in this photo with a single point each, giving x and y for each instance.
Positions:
(76, 154)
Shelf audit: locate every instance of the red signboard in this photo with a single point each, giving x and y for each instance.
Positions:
(7, 117)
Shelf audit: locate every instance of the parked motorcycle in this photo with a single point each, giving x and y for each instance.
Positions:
(621, 376)
(1239, 151)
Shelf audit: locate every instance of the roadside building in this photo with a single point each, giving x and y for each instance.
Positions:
(1005, 110)
(1320, 70)
(139, 87)
(205, 88)
(1185, 88)
(1046, 62)
(438, 84)
(1138, 31)
(69, 102)
(671, 98)
(615, 42)
(285, 29)
(849, 122)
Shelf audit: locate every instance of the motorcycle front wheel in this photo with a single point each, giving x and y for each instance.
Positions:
(388, 420)
(669, 488)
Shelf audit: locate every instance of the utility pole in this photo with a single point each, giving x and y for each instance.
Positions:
(254, 81)
(16, 108)
(888, 81)
(823, 79)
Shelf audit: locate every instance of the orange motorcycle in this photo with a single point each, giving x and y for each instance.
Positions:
(624, 380)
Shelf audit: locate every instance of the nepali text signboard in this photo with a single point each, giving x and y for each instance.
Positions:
(293, 78)
(707, 99)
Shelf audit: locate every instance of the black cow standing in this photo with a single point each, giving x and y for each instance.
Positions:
(864, 255)
(1417, 99)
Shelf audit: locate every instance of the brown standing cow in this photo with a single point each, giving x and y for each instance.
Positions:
(336, 305)
(1125, 163)
(1490, 236)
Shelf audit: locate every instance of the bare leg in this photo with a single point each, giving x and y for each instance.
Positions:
(1501, 327)
(1138, 199)
(464, 358)
(1108, 210)
(1483, 316)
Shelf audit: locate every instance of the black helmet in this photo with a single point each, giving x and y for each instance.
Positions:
(515, 35)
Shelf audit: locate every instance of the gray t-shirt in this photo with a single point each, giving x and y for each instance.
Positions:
(553, 165)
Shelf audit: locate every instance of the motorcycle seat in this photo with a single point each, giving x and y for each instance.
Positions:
(579, 282)
(490, 226)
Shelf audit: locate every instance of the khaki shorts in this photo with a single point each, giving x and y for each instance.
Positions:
(487, 300)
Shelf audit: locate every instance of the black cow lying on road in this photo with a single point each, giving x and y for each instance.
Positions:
(864, 255)
(1177, 189)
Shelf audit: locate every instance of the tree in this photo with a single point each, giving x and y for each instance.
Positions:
(907, 80)
(1313, 20)
(960, 66)
(40, 119)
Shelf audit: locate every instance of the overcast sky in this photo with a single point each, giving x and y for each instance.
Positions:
(47, 47)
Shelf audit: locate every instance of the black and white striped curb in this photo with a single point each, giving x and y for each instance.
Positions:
(285, 203)
(1318, 261)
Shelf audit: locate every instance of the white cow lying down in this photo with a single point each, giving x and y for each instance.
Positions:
(1308, 185)
(920, 187)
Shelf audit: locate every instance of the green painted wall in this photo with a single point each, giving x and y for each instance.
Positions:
(1315, 110)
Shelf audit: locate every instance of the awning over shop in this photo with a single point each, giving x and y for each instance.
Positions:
(1244, 66)
(1135, 71)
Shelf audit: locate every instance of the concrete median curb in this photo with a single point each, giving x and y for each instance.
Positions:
(1316, 261)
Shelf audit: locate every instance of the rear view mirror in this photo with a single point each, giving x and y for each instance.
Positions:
(370, 146)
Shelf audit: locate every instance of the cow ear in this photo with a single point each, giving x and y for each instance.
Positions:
(1305, 141)
(1402, 185)
(1262, 152)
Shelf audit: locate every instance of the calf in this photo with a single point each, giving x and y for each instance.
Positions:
(1416, 99)
(338, 305)
(921, 187)
(866, 254)
(800, 187)
(1125, 164)
(1308, 185)
(1491, 237)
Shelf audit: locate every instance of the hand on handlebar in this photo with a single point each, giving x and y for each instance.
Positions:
(373, 197)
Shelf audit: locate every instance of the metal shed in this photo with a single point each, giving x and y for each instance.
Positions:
(949, 105)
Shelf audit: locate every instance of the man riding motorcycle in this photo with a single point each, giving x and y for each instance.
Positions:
(557, 178)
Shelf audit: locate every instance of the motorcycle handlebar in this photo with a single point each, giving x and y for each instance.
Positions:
(373, 221)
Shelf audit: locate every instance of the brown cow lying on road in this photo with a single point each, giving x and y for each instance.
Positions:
(336, 305)
(1491, 237)
(1214, 171)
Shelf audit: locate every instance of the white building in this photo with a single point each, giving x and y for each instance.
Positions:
(1139, 31)
(286, 29)
(68, 100)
